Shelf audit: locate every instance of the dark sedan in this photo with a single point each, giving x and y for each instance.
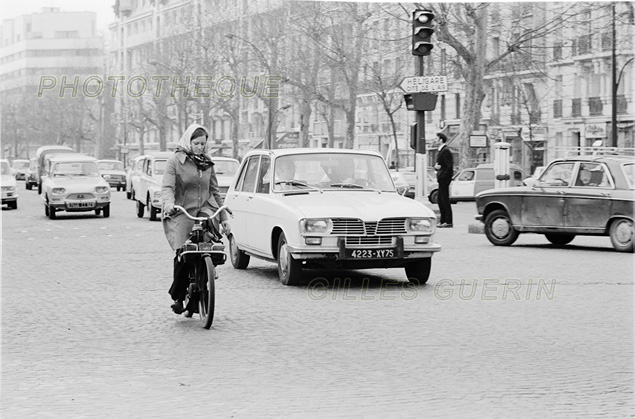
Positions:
(582, 195)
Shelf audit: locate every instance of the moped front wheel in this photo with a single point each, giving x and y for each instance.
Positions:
(205, 275)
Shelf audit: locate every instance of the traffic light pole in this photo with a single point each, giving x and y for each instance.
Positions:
(421, 161)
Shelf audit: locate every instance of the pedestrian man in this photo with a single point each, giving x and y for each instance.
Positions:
(445, 170)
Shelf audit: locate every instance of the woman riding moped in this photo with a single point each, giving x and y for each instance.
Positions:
(189, 181)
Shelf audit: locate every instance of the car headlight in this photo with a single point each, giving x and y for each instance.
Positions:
(107, 177)
(101, 189)
(58, 191)
(316, 226)
(424, 225)
(8, 188)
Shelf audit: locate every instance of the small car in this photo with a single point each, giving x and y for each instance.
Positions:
(469, 182)
(132, 175)
(31, 179)
(581, 195)
(326, 208)
(19, 167)
(225, 169)
(112, 171)
(8, 184)
(72, 183)
(147, 191)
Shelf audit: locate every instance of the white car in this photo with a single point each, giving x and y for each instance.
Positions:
(147, 190)
(132, 175)
(8, 183)
(71, 182)
(339, 209)
(225, 169)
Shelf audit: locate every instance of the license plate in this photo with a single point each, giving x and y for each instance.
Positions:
(370, 253)
(80, 204)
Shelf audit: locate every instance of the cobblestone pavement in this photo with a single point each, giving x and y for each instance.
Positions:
(528, 331)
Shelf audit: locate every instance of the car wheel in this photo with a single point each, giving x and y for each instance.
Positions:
(132, 194)
(98, 211)
(128, 195)
(106, 211)
(28, 186)
(239, 259)
(152, 211)
(51, 212)
(434, 197)
(13, 205)
(499, 229)
(46, 209)
(289, 269)
(559, 239)
(419, 272)
(123, 187)
(140, 207)
(39, 189)
(621, 232)
(118, 188)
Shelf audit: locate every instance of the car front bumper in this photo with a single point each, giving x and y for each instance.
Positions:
(341, 255)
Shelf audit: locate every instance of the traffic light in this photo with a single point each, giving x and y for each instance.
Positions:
(422, 31)
(413, 136)
(422, 101)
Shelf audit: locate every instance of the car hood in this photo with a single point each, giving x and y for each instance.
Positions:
(80, 183)
(113, 172)
(224, 180)
(7, 180)
(366, 205)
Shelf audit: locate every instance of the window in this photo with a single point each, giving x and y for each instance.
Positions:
(576, 107)
(558, 174)
(457, 103)
(263, 175)
(466, 175)
(247, 182)
(591, 175)
(557, 51)
(557, 108)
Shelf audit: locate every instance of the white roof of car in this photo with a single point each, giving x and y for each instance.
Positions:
(109, 160)
(71, 157)
(294, 151)
(51, 147)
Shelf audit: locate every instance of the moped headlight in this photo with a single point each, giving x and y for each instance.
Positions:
(101, 189)
(317, 225)
(420, 225)
(157, 195)
(58, 191)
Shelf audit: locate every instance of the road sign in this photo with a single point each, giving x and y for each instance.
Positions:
(425, 84)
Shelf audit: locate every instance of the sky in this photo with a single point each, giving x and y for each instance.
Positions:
(10, 9)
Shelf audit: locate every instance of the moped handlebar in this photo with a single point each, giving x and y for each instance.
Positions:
(216, 214)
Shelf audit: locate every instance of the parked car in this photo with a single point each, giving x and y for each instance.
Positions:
(132, 175)
(582, 195)
(112, 171)
(31, 178)
(19, 167)
(225, 169)
(531, 180)
(72, 183)
(339, 209)
(402, 186)
(8, 185)
(147, 190)
(469, 182)
(42, 154)
(410, 176)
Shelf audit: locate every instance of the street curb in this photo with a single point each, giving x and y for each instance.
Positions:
(476, 228)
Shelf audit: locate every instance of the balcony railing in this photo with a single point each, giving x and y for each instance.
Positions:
(576, 107)
(557, 108)
(595, 106)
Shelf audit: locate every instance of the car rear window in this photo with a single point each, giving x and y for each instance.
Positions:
(110, 165)
(629, 173)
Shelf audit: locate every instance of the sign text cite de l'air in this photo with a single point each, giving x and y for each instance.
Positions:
(425, 84)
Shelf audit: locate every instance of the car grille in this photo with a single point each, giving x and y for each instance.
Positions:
(365, 240)
(117, 178)
(355, 227)
(81, 196)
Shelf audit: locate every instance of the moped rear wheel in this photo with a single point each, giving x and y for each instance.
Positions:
(205, 276)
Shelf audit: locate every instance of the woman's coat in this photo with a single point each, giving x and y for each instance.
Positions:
(185, 185)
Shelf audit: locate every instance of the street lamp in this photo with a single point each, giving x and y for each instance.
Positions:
(272, 117)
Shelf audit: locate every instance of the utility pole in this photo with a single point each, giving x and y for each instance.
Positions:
(613, 81)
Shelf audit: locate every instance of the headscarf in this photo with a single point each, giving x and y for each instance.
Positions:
(202, 161)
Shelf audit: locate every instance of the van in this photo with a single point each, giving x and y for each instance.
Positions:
(468, 182)
(44, 153)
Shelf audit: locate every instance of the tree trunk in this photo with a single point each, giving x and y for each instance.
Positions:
(305, 118)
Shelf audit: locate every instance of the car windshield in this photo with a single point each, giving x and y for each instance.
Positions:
(6, 170)
(225, 167)
(88, 169)
(110, 165)
(20, 164)
(332, 170)
(159, 167)
(629, 174)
